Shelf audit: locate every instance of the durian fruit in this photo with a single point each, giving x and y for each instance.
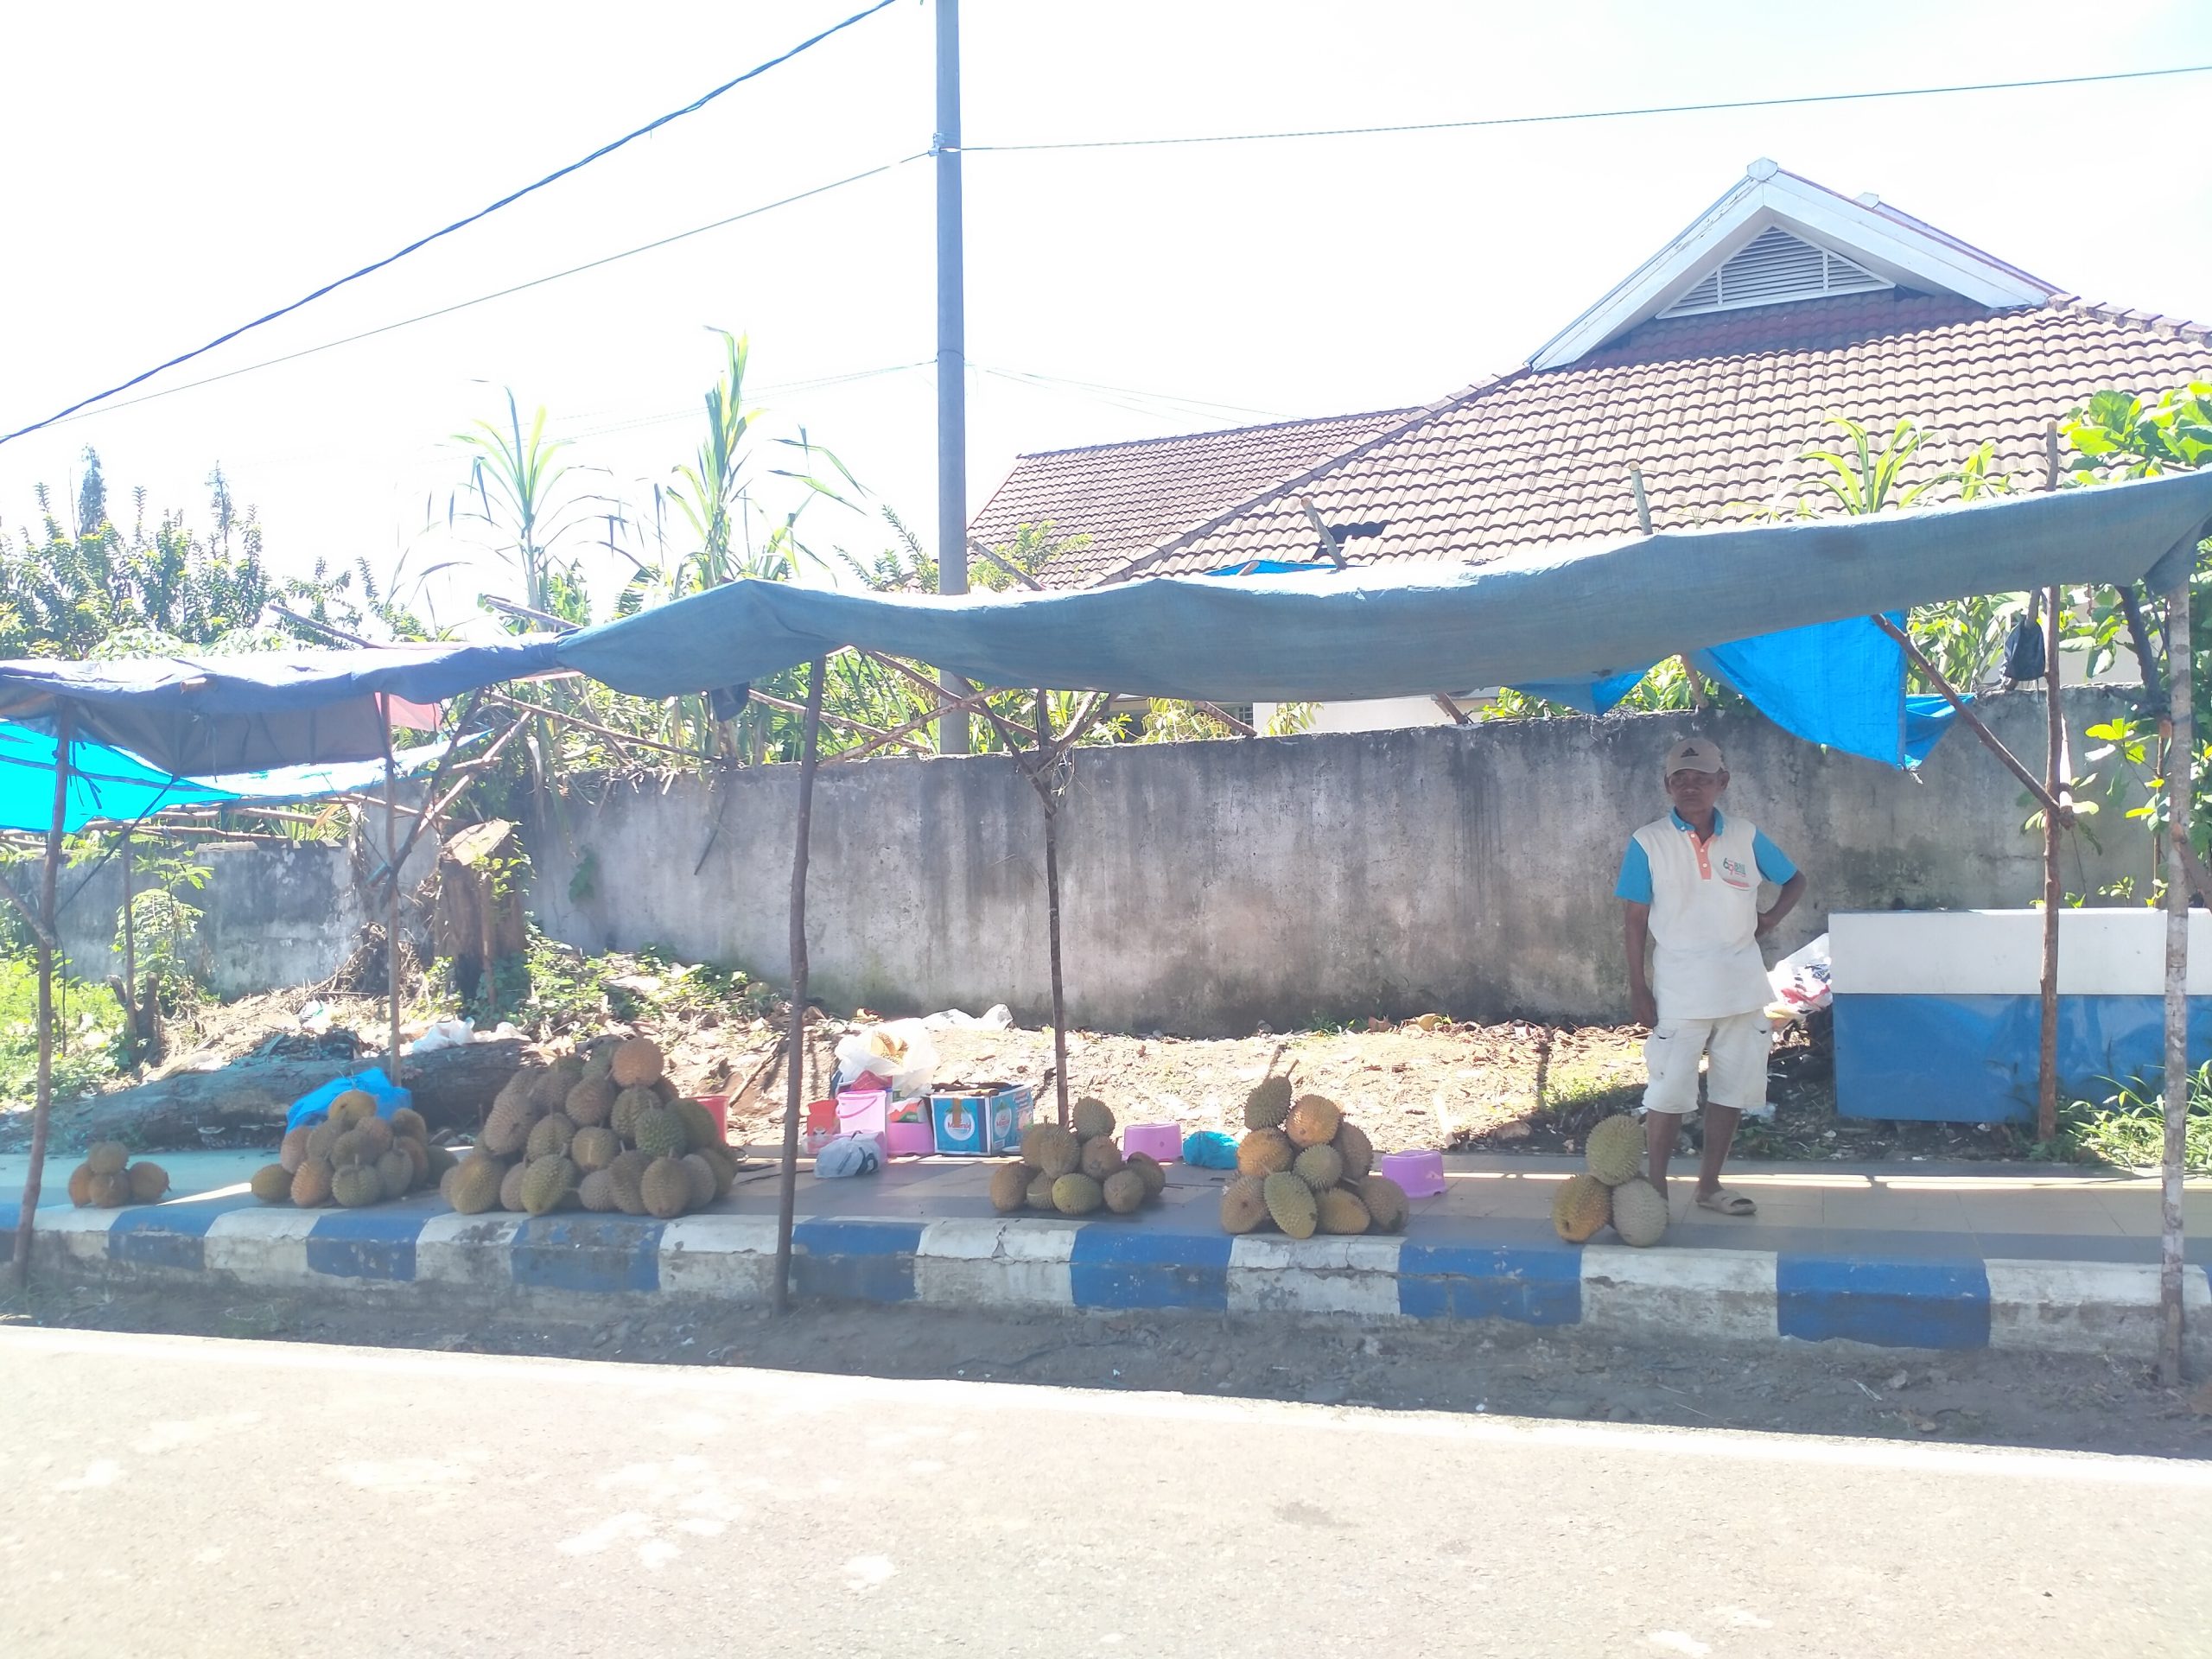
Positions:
(596, 1190)
(1291, 1203)
(1092, 1117)
(659, 1133)
(407, 1124)
(1639, 1213)
(1319, 1167)
(506, 1130)
(352, 1148)
(665, 1187)
(511, 1187)
(1386, 1203)
(292, 1151)
(1244, 1204)
(1356, 1149)
(515, 1091)
(1123, 1192)
(109, 1192)
(637, 1064)
(1342, 1212)
(702, 1180)
(350, 1110)
(627, 1176)
(272, 1183)
(1580, 1208)
(418, 1159)
(1615, 1149)
(549, 1137)
(1101, 1157)
(1147, 1168)
(1040, 1195)
(148, 1182)
(379, 1135)
(699, 1125)
(549, 1086)
(545, 1182)
(594, 1148)
(1050, 1150)
(665, 1089)
(395, 1174)
(320, 1139)
(445, 1184)
(724, 1163)
(629, 1105)
(81, 1185)
(1314, 1121)
(357, 1185)
(107, 1157)
(311, 1184)
(590, 1102)
(1010, 1188)
(1268, 1104)
(476, 1185)
(1077, 1195)
(1264, 1153)
(599, 1065)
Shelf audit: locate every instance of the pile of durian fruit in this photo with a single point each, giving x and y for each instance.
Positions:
(1306, 1167)
(1076, 1171)
(107, 1179)
(605, 1132)
(353, 1158)
(1610, 1190)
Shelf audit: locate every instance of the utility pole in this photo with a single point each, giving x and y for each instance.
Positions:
(951, 355)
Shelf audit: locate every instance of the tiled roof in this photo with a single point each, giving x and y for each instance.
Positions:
(1130, 498)
(1716, 409)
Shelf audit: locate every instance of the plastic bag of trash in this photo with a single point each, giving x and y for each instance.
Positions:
(1799, 982)
(900, 1051)
(848, 1154)
(997, 1017)
(446, 1034)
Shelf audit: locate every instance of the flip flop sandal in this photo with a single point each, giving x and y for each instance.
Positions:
(1721, 1201)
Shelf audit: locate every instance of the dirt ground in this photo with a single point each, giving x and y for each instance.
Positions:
(2089, 1404)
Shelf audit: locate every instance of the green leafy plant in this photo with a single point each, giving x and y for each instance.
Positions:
(2126, 1128)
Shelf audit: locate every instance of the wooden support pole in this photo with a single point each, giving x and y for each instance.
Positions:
(1972, 722)
(1460, 716)
(2180, 752)
(2053, 891)
(1045, 760)
(392, 906)
(795, 1042)
(42, 1106)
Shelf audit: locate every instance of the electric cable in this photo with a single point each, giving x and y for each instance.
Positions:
(609, 149)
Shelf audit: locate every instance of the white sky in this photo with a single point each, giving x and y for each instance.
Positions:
(176, 170)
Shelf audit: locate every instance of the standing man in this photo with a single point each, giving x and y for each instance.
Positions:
(1690, 882)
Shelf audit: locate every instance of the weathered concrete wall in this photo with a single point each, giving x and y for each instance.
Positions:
(270, 915)
(1208, 886)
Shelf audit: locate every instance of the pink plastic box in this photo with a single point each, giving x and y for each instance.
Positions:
(907, 1138)
(1421, 1173)
(1161, 1140)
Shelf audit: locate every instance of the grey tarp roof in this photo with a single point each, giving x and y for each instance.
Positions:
(1402, 631)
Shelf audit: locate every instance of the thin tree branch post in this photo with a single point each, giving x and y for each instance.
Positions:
(42, 1107)
(1972, 722)
(795, 1073)
(2053, 894)
(1046, 759)
(1643, 524)
(2180, 681)
(2139, 639)
(392, 906)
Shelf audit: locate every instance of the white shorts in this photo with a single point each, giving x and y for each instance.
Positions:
(1737, 1077)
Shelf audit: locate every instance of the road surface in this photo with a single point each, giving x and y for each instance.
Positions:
(170, 1496)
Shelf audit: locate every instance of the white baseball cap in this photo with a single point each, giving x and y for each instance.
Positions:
(1693, 755)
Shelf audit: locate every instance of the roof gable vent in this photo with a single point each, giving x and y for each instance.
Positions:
(1775, 270)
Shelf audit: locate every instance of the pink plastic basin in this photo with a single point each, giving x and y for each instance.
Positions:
(1421, 1173)
(907, 1139)
(1161, 1140)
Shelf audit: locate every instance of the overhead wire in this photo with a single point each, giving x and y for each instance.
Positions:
(512, 197)
(1710, 107)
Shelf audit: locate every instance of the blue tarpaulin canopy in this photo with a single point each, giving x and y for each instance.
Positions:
(196, 715)
(1575, 614)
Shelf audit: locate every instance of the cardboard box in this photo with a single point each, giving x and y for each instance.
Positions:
(981, 1120)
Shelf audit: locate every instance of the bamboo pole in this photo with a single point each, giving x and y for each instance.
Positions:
(2053, 892)
(42, 1107)
(2180, 752)
(1044, 760)
(1972, 721)
(795, 1042)
(392, 906)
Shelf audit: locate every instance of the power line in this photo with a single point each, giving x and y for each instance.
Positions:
(482, 299)
(1601, 115)
(696, 104)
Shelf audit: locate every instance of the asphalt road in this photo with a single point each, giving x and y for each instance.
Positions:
(180, 1496)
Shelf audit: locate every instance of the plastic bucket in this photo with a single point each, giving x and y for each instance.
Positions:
(1161, 1140)
(1421, 1173)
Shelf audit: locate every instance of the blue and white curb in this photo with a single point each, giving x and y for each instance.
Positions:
(575, 1258)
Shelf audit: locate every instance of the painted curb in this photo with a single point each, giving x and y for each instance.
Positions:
(574, 1259)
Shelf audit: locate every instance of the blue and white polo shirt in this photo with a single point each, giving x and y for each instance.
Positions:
(1705, 913)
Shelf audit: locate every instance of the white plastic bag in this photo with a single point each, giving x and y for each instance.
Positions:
(1799, 982)
(899, 1051)
(446, 1034)
(997, 1017)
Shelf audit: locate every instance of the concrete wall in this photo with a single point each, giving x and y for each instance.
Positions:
(1208, 886)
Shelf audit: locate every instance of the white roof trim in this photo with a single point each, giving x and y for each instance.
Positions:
(1893, 245)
